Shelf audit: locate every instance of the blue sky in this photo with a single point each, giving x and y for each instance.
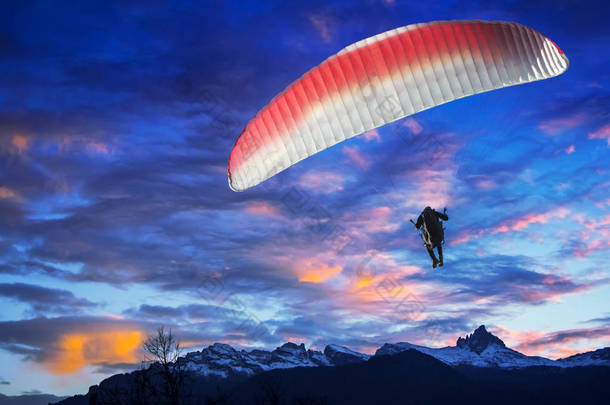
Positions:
(116, 123)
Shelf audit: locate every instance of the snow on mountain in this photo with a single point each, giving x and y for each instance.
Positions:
(480, 349)
(600, 357)
(223, 360)
(339, 355)
(483, 349)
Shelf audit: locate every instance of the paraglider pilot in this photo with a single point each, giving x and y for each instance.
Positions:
(432, 232)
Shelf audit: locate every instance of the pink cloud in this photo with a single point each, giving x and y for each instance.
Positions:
(464, 237)
(418, 188)
(597, 236)
(556, 344)
(372, 220)
(373, 134)
(413, 125)
(97, 147)
(570, 149)
(261, 208)
(357, 158)
(321, 26)
(515, 224)
(322, 181)
(526, 220)
(602, 133)
(67, 144)
(483, 181)
(558, 125)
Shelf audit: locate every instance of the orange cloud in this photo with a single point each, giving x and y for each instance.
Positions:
(21, 143)
(261, 208)
(77, 350)
(319, 274)
(309, 271)
(6, 192)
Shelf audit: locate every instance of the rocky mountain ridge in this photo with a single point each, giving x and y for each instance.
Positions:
(479, 349)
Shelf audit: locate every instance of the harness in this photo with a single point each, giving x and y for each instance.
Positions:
(425, 233)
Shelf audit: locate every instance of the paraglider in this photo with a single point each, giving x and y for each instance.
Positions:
(432, 232)
(385, 78)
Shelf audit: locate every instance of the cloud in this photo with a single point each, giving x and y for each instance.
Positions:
(321, 24)
(310, 271)
(555, 342)
(322, 181)
(601, 133)
(124, 183)
(525, 220)
(21, 143)
(356, 157)
(501, 280)
(570, 149)
(518, 223)
(261, 208)
(593, 238)
(373, 134)
(555, 126)
(414, 126)
(77, 350)
(45, 300)
(67, 344)
(6, 192)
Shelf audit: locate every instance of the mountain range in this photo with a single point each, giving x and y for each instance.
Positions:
(480, 349)
(479, 362)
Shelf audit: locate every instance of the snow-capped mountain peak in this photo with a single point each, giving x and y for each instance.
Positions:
(339, 355)
(480, 340)
(479, 349)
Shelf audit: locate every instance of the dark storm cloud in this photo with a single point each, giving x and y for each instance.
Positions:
(45, 300)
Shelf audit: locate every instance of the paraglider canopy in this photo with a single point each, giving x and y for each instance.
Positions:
(385, 78)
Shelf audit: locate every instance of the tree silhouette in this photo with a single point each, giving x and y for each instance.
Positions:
(164, 349)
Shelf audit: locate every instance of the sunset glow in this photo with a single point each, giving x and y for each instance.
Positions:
(75, 351)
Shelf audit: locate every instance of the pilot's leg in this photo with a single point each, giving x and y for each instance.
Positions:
(432, 256)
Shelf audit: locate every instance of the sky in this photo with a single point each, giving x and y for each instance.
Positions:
(116, 123)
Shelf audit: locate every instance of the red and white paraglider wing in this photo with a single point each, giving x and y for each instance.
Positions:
(382, 79)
